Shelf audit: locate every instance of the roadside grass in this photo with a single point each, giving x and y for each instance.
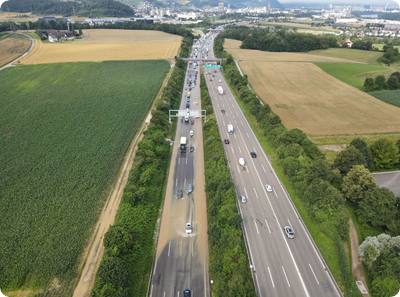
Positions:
(367, 57)
(325, 244)
(379, 46)
(352, 74)
(346, 139)
(65, 130)
(391, 97)
(32, 34)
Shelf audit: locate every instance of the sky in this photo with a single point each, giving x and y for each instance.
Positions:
(349, 2)
(2, 1)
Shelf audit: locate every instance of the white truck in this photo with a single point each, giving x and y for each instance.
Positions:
(187, 117)
(242, 163)
(220, 90)
(183, 145)
(230, 129)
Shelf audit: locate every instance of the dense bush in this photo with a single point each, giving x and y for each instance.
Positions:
(229, 266)
(130, 239)
(278, 41)
(380, 83)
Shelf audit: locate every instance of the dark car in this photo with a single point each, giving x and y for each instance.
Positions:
(187, 104)
(186, 293)
(188, 99)
(192, 149)
(253, 154)
(192, 122)
(222, 110)
(180, 194)
(226, 141)
(210, 79)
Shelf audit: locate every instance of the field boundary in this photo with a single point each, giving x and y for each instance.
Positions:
(112, 204)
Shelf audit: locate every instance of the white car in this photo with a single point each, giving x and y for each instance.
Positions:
(189, 228)
(191, 133)
(269, 188)
(243, 199)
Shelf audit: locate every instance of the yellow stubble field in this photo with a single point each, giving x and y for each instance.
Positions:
(107, 45)
(307, 98)
(11, 49)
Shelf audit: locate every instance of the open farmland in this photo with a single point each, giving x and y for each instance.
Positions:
(64, 131)
(307, 98)
(107, 45)
(12, 46)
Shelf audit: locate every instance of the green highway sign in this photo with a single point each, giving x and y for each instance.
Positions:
(208, 66)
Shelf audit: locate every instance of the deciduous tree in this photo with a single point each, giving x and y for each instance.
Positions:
(357, 183)
(385, 153)
(346, 159)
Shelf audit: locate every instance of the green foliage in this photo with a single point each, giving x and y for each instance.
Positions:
(385, 153)
(98, 8)
(378, 208)
(279, 41)
(229, 267)
(346, 159)
(65, 129)
(361, 44)
(390, 56)
(391, 97)
(357, 183)
(361, 145)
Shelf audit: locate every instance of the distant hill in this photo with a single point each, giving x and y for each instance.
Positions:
(92, 8)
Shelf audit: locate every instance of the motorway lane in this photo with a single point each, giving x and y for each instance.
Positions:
(283, 267)
(182, 259)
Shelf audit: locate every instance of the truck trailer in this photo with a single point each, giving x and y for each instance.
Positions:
(220, 90)
(183, 145)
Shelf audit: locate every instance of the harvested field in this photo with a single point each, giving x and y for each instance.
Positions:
(11, 49)
(306, 97)
(253, 55)
(107, 45)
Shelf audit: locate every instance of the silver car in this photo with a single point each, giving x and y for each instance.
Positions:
(190, 188)
(269, 188)
(243, 199)
(289, 231)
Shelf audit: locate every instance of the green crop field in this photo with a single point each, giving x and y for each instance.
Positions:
(352, 74)
(64, 131)
(391, 97)
(360, 56)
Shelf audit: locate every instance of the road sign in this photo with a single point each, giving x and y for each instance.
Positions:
(217, 66)
(208, 66)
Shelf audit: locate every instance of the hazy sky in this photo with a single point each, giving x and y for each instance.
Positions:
(349, 2)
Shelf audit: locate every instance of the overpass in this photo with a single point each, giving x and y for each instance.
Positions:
(215, 60)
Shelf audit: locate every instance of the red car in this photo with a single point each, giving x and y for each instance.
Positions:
(192, 122)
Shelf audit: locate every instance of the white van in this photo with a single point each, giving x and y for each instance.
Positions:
(220, 81)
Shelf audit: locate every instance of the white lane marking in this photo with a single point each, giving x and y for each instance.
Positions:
(176, 183)
(247, 135)
(270, 275)
(237, 113)
(258, 285)
(255, 223)
(180, 251)
(269, 229)
(245, 192)
(234, 135)
(169, 247)
(313, 273)
(284, 272)
(184, 182)
(232, 150)
(275, 193)
(223, 122)
(233, 116)
(289, 223)
(178, 293)
(263, 168)
(240, 149)
(235, 122)
(179, 161)
(255, 192)
(277, 220)
(164, 293)
(238, 168)
(192, 247)
(186, 161)
(242, 123)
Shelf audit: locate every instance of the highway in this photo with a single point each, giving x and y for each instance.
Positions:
(281, 266)
(182, 259)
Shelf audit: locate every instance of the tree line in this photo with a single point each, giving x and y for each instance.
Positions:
(325, 188)
(380, 83)
(98, 8)
(229, 266)
(282, 40)
(129, 244)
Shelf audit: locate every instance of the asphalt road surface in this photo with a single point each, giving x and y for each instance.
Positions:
(390, 180)
(182, 259)
(281, 266)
